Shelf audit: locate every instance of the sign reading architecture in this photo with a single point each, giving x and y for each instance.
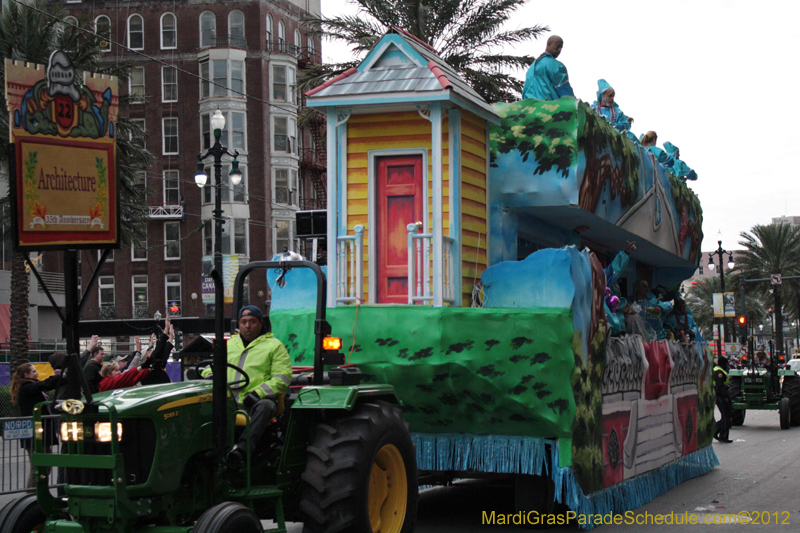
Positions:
(64, 134)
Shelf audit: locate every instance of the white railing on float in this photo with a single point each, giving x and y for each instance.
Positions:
(420, 246)
(350, 266)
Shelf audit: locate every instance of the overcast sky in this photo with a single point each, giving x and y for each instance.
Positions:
(715, 77)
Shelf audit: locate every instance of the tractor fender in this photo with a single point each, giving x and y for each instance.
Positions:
(342, 397)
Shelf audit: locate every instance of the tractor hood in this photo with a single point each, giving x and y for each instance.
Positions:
(147, 400)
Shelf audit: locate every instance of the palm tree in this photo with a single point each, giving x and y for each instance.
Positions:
(771, 249)
(31, 35)
(466, 33)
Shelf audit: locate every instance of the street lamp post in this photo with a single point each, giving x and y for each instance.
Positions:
(220, 357)
(720, 252)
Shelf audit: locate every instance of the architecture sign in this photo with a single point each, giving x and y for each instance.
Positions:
(63, 130)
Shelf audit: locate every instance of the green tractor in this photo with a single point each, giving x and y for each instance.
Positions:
(768, 387)
(153, 459)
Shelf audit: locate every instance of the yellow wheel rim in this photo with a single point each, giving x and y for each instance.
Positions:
(388, 491)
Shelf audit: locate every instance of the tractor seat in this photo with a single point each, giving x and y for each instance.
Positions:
(241, 420)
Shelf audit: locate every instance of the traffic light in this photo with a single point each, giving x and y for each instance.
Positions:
(743, 328)
(178, 340)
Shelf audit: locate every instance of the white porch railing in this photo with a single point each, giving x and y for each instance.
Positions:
(420, 246)
(350, 267)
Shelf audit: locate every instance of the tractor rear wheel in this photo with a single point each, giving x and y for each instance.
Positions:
(22, 515)
(228, 517)
(735, 390)
(791, 390)
(361, 473)
(785, 413)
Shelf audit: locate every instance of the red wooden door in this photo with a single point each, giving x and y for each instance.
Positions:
(399, 203)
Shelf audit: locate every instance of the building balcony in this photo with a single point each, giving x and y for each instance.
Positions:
(167, 211)
(141, 310)
(311, 204)
(308, 57)
(106, 312)
(224, 41)
(313, 159)
(283, 47)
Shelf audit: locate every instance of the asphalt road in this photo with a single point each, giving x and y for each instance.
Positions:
(759, 472)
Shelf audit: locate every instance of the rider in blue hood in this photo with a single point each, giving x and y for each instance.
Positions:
(679, 168)
(547, 77)
(605, 106)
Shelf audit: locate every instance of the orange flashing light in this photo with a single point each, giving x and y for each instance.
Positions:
(332, 343)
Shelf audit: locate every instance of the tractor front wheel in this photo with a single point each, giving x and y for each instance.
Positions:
(22, 515)
(791, 390)
(785, 413)
(361, 473)
(228, 517)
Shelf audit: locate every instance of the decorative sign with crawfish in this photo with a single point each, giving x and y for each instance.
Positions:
(63, 129)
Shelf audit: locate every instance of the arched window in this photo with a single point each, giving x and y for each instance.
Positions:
(208, 29)
(102, 27)
(281, 36)
(268, 29)
(135, 32)
(71, 20)
(298, 39)
(236, 28)
(169, 31)
(311, 52)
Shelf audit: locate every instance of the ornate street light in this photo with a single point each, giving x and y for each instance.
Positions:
(720, 252)
(219, 367)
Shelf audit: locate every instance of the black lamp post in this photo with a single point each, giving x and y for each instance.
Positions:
(720, 251)
(220, 355)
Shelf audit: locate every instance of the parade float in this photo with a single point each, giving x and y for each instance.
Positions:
(465, 267)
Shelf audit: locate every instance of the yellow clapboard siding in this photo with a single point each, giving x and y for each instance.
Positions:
(357, 191)
(468, 207)
(473, 224)
(474, 147)
(474, 162)
(407, 127)
(389, 142)
(357, 176)
(384, 117)
(474, 193)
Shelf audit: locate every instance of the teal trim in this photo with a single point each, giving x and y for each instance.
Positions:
(458, 452)
(341, 183)
(401, 98)
(454, 177)
(385, 42)
(333, 209)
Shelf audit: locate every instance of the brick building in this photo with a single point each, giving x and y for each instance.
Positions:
(241, 58)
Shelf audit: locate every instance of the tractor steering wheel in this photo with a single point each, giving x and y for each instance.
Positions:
(235, 385)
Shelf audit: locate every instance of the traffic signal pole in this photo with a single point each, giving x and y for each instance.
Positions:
(778, 330)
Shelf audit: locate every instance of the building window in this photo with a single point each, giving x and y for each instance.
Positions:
(285, 186)
(169, 128)
(139, 250)
(283, 235)
(169, 31)
(138, 134)
(109, 257)
(234, 237)
(136, 85)
(169, 84)
(269, 30)
(237, 78)
(220, 78)
(279, 83)
(173, 292)
(105, 285)
(701, 270)
(172, 240)
(205, 89)
(281, 36)
(136, 33)
(237, 131)
(280, 141)
(311, 49)
(172, 192)
(283, 135)
(71, 20)
(236, 29)
(141, 309)
(140, 179)
(208, 29)
(205, 132)
(102, 27)
(298, 40)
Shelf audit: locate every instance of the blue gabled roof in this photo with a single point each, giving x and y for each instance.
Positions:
(399, 69)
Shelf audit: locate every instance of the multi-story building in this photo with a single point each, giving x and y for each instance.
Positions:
(191, 59)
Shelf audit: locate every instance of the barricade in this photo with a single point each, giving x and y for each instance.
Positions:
(15, 467)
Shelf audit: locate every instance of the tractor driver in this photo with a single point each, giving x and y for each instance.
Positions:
(266, 361)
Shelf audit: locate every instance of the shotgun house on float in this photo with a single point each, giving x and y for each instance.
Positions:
(407, 178)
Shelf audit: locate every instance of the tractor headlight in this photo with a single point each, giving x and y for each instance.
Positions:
(102, 431)
(71, 431)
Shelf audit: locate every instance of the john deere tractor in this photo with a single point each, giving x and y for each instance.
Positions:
(153, 459)
(765, 386)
